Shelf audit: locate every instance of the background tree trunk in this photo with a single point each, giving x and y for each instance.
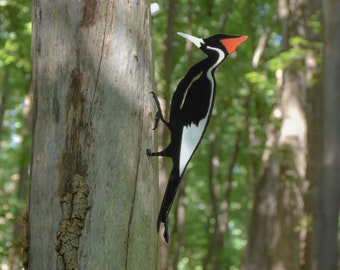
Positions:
(93, 192)
(166, 71)
(329, 185)
(23, 181)
(314, 115)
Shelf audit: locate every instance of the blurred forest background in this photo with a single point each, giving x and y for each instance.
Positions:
(256, 195)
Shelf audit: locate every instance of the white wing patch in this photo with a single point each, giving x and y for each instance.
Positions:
(190, 139)
(193, 134)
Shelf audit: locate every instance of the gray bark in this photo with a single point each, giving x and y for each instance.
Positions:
(93, 194)
(328, 253)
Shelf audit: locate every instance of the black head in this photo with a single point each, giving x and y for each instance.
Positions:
(227, 43)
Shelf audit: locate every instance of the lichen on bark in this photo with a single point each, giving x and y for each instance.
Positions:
(74, 206)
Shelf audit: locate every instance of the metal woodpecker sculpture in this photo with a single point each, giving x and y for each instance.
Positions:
(190, 111)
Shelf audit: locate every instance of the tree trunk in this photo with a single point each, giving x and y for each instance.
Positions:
(328, 252)
(314, 115)
(93, 190)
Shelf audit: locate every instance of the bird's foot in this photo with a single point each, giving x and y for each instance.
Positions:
(159, 114)
(158, 117)
(154, 97)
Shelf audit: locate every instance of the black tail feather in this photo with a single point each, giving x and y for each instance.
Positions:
(169, 196)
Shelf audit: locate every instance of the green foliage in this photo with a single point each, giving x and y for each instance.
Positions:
(291, 57)
(15, 69)
(295, 56)
(315, 22)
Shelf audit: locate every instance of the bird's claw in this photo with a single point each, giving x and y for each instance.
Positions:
(159, 115)
(157, 118)
(148, 152)
(154, 95)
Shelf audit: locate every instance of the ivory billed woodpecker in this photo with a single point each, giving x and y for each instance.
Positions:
(190, 111)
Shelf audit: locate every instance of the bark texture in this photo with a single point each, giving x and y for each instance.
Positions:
(328, 252)
(93, 192)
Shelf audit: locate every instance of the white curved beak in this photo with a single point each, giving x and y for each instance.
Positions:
(197, 41)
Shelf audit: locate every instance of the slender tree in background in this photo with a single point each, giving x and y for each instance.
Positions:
(165, 88)
(327, 218)
(314, 115)
(93, 189)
